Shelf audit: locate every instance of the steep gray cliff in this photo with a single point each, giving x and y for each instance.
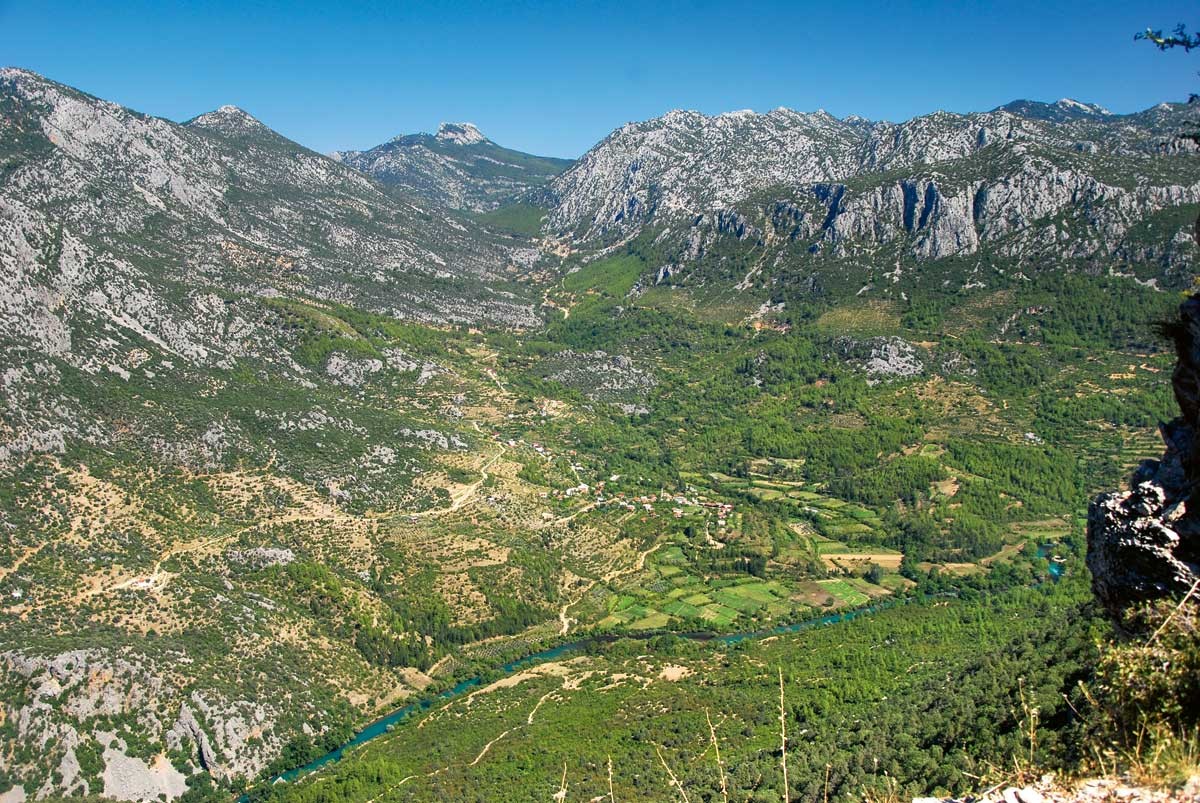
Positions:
(1034, 184)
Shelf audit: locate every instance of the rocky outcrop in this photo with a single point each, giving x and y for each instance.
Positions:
(1144, 543)
(882, 358)
(131, 778)
(601, 376)
(1052, 183)
(1093, 790)
(62, 702)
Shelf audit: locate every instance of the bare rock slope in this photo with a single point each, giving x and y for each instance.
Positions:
(457, 167)
(760, 196)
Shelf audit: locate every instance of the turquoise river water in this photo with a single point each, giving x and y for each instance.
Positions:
(383, 725)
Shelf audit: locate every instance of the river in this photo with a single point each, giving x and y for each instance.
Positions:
(381, 726)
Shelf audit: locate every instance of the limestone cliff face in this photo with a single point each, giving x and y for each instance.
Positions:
(1032, 184)
(1145, 543)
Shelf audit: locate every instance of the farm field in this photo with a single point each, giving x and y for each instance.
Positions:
(680, 599)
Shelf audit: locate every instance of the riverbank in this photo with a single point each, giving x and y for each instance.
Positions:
(385, 724)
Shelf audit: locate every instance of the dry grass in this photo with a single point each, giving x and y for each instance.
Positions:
(856, 562)
(1145, 698)
(873, 317)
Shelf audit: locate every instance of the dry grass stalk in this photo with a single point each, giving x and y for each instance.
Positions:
(712, 734)
(561, 794)
(783, 741)
(674, 781)
(1178, 608)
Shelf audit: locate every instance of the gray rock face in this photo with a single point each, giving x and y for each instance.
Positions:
(1015, 182)
(1145, 543)
(132, 246)
(261, 557)
(688, 163)
(65, 694)
(130, 778)
(603, 377)
(100, 205)
(351, 372)
(883, 358)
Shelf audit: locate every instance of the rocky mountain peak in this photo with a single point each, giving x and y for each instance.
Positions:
(227, 119)
(30, 85)
(1083, 108)
(13, 74)
(1064, 110)
(460, 134)
(442, 169)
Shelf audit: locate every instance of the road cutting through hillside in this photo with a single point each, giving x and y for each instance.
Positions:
(565, 621)
(467, 492)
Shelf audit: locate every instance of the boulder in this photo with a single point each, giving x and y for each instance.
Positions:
(1144, 543)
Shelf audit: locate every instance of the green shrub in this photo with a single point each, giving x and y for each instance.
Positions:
(1147, 690)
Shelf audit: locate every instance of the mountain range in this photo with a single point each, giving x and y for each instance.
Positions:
(1034, 185)
(797, 190)
(287, 438)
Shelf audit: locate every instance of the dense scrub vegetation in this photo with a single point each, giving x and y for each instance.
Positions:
(1016, 415)
(866, 710)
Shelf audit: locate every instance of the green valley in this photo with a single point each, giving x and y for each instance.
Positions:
(746, 457)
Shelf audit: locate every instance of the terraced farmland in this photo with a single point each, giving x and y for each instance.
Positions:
(670, 595)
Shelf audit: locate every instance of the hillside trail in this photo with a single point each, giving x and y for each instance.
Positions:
(568, 518)
(156, 579)
(608, 578)
(468, 492)
(546, 302)
(5, 571)
(492, 375)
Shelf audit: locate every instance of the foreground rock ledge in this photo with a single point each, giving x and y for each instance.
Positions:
(1096, 790)
(1144, 543)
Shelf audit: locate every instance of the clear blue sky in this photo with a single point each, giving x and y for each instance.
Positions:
(554, 78)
